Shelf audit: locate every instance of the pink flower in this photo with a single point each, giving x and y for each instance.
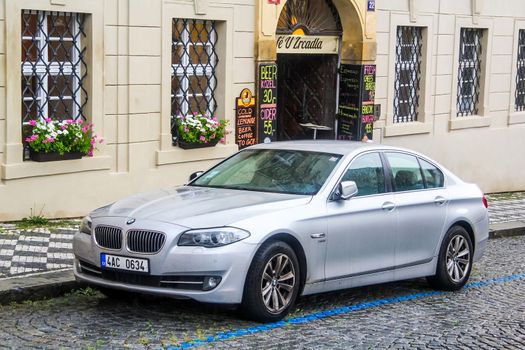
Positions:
(31, 138)
(101, 140)
(70, 121)
(93, 141)
(49, 120)
(85, 128)
(223, 140)
(63, 127)
(50, 140)
(214, 119)
(90, 153)
(28, 139)
(202, 138)
(32, 122)
(212, 136)
(186, 129)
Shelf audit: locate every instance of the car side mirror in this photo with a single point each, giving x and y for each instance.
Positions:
(196, 175)
(347, 189)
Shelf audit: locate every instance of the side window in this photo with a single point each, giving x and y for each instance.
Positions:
(405, 171)
(367, 172)
(433, 176)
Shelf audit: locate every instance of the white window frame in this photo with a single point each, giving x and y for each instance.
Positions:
(413, 109)
(186, 69)
(424, 124)
(515, 117)
(470, 65)
(54, 68)
(483, 117)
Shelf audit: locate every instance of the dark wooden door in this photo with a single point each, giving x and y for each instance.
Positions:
(307, 89)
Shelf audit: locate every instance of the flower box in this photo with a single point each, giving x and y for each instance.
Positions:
(52, 156)
(191, 145)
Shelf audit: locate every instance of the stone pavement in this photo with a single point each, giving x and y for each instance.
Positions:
(26, 252)
(487, 314)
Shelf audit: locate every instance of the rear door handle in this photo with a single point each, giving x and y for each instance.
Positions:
(388, 206)
(440, 200)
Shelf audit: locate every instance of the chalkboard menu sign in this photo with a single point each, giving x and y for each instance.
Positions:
(267, 102)
(356, 102)
(245, 120)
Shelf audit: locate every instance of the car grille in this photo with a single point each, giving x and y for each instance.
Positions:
(169, 281)
(108, 237)
(140, 241)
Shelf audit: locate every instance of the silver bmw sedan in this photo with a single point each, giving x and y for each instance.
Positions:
(275, 221)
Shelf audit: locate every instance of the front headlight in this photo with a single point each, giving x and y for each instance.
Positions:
(85, 226)
(212, 237)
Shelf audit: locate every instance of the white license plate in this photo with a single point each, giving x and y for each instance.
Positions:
(124, 263)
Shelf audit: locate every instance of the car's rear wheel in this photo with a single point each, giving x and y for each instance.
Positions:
(454, 261)
(272, 283)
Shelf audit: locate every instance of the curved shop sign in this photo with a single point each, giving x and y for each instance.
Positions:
(307, 44)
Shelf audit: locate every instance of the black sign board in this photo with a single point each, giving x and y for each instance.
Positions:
(356, 102)
(245, 120)
(267, 102)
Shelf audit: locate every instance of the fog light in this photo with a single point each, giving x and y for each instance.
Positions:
(211, 282)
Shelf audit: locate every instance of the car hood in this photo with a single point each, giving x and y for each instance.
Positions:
(195, 207)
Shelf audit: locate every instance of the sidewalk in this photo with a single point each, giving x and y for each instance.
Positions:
(36, 263)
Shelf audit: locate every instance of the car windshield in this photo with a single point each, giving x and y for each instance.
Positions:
(272, 170)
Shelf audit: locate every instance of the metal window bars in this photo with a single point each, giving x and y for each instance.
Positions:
(469, 72)
(53, 66)
(407, 74)
(194, 62)
(520, 73)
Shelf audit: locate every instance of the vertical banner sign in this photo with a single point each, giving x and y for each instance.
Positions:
(356, 102)
(267, 102)
(245, 120)
(349, 102)
(368, 98)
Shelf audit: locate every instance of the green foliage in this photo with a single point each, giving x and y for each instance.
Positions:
(62, 136)
(200, 128)
(34, 220)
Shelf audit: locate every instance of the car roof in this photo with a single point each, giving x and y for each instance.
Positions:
(324, 146)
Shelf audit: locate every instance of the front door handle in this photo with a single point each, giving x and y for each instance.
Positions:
(439, 201)
(318, 235)
(388, 206)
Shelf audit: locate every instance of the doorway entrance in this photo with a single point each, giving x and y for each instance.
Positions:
(307, 90)
(308, 37)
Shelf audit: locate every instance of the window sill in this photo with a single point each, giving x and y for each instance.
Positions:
(179, 155)
(34, 169)
(517, 118)
(411, 128)
(475, 121)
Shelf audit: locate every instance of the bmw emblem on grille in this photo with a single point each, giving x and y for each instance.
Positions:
(130, 221)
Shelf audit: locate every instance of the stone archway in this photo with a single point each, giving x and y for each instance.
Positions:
(358, 24)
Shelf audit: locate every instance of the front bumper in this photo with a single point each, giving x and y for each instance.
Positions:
(173, 262)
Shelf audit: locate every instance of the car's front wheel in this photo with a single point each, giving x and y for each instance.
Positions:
(454, 261)
(272, 283)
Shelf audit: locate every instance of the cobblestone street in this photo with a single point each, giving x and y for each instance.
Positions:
(489, 314)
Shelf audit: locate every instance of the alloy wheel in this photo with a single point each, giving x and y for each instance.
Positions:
(278, 283)
(458, 258)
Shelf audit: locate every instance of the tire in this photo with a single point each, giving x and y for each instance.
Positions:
(454, 264)
(270, 292)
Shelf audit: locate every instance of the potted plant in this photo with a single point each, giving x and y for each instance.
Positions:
(60, 139)
(198, 130)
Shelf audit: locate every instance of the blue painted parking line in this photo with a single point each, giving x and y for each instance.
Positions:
(334, 312)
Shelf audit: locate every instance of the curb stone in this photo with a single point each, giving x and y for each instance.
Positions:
(55, 283)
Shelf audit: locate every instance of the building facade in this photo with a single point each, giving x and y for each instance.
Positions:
(443, 77)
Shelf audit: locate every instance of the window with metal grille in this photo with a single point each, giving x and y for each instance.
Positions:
(194, 62)
(469, 73)
(53, 66)
(407, 74)
(520, 73)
